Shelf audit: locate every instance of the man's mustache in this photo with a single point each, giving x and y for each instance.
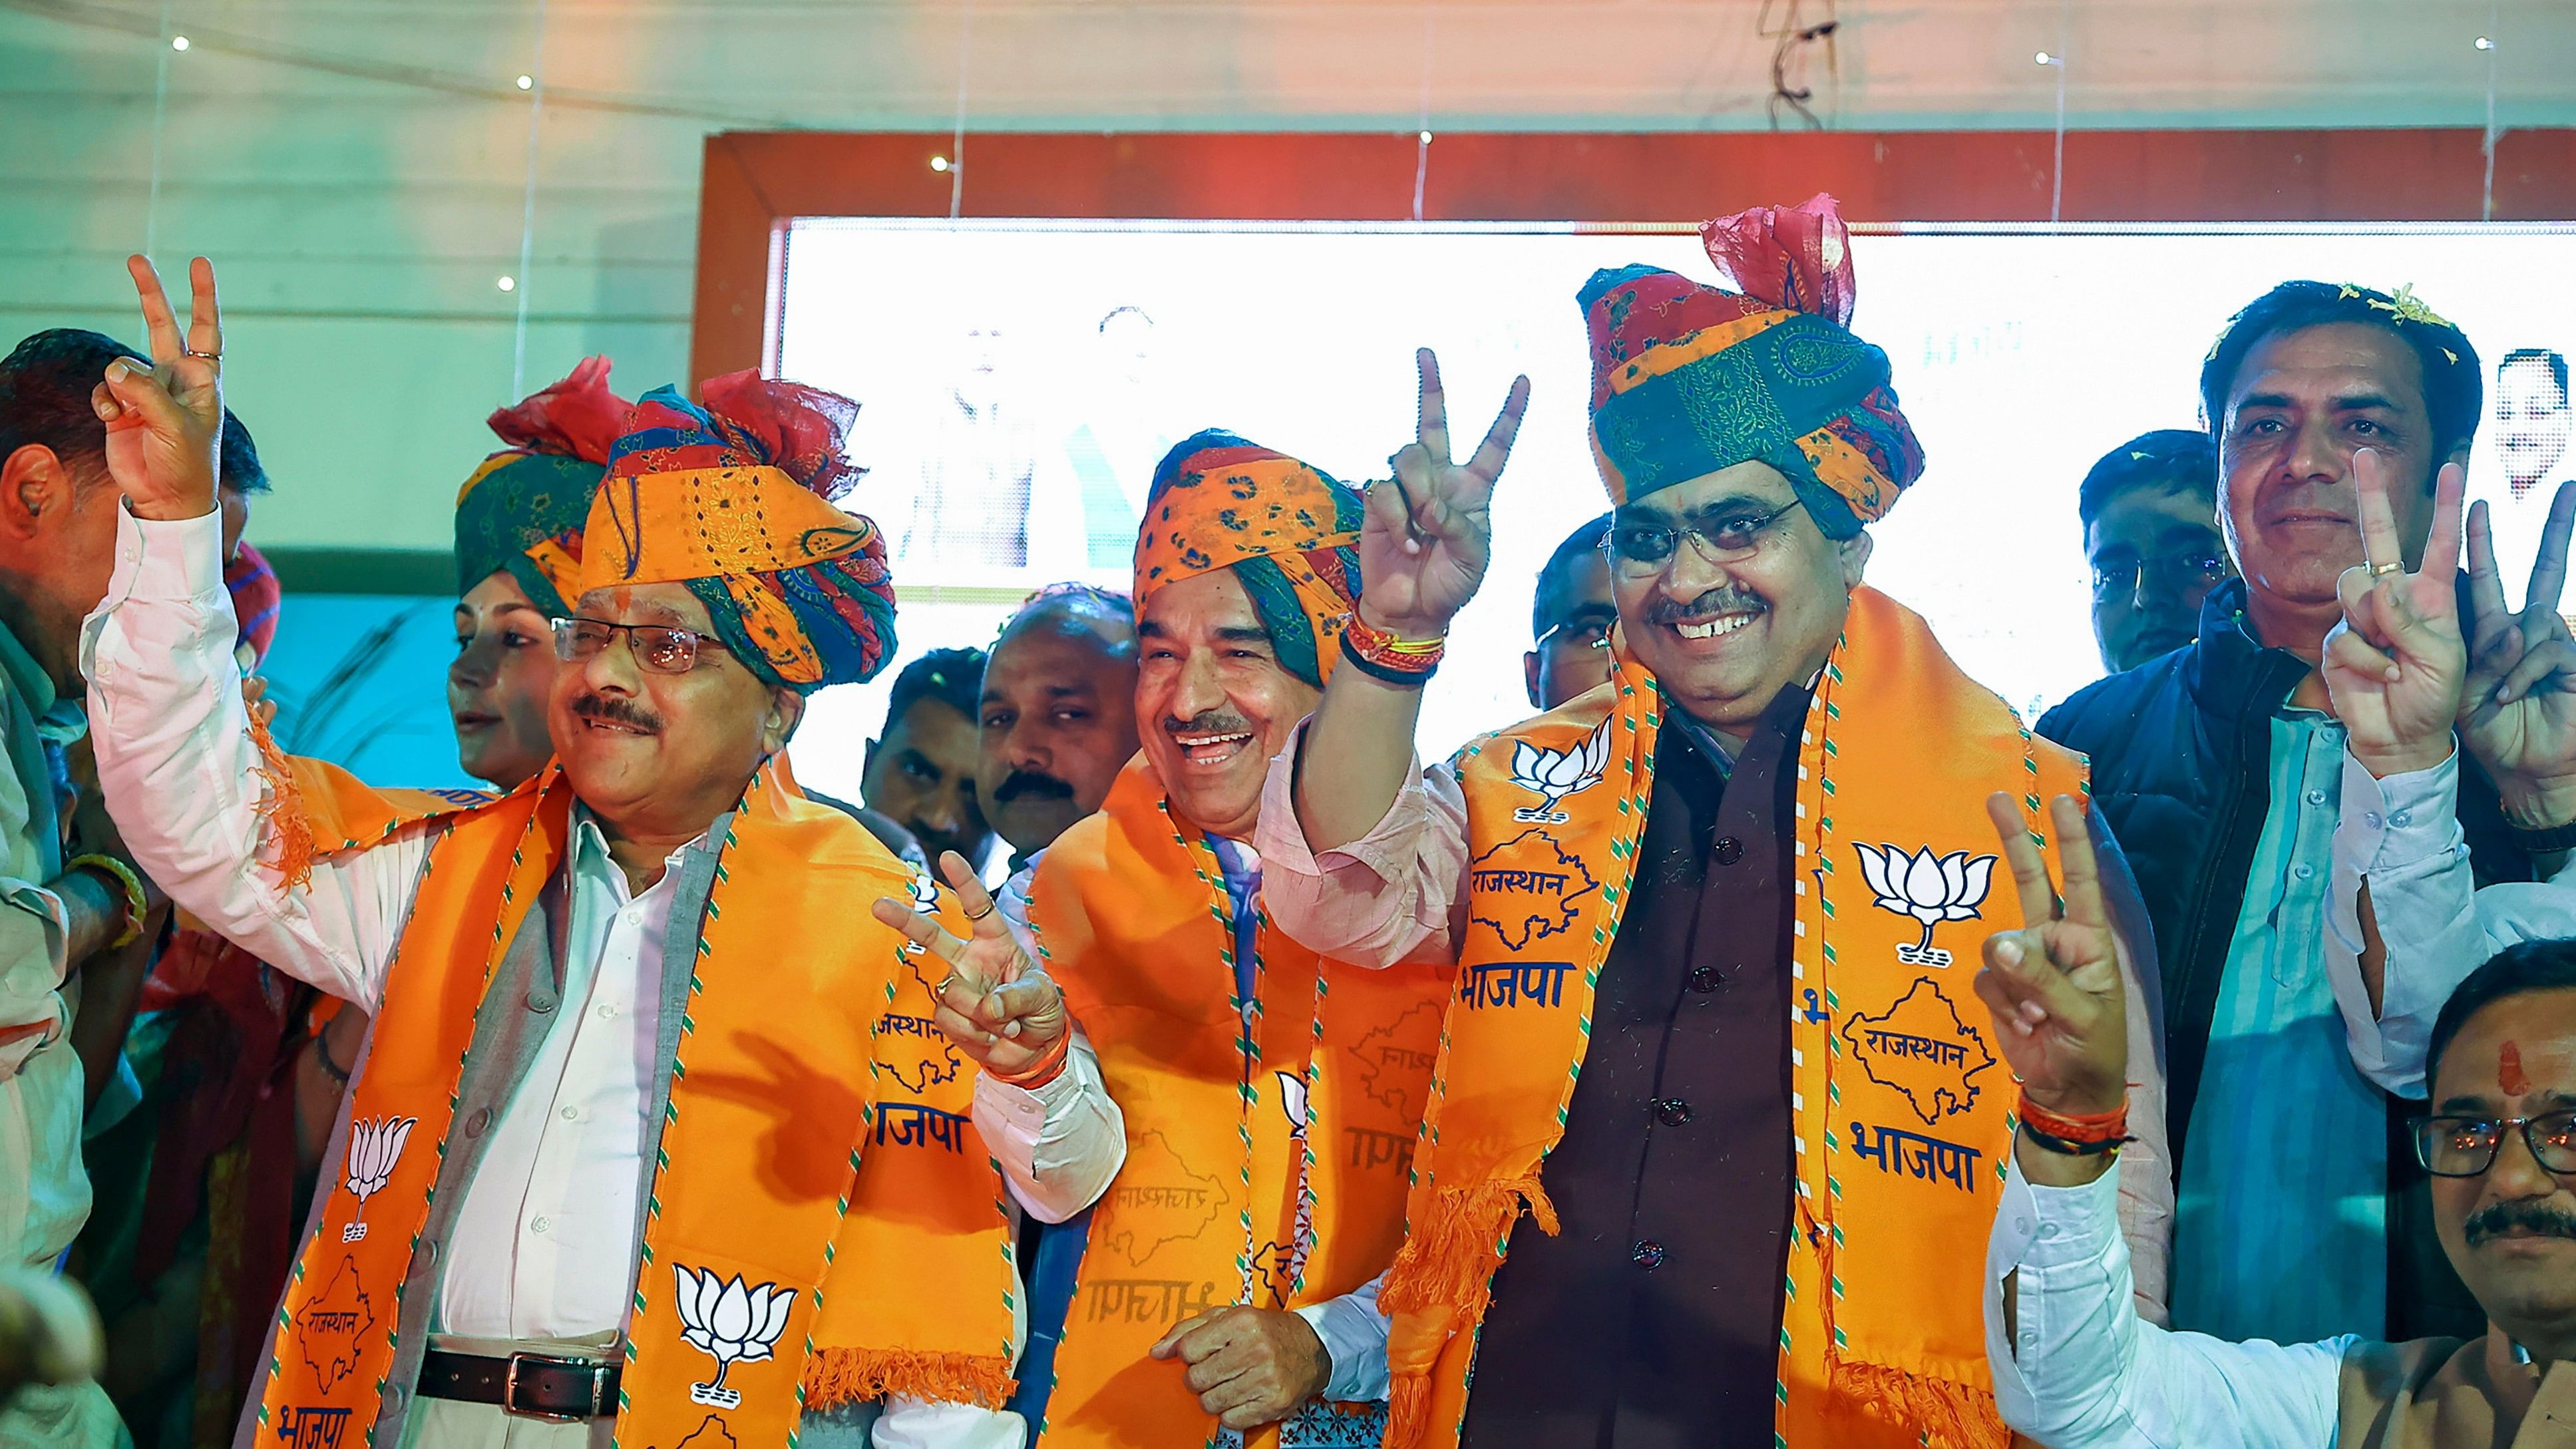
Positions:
(1728, 600)
(2497, 1219)
(1032, 783)
(1210, 722)
(609, 710)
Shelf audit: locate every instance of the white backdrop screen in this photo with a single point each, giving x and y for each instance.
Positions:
(1019, 380)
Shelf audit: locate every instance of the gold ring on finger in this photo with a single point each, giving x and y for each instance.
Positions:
(2383, 570)
(215, 356)
(979, 915)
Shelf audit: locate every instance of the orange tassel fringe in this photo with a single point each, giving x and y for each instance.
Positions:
(1447, 1265)
(283, 808)
(1951, 1415)
(837, 1376)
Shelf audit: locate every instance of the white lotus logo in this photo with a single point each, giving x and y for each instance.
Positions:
(1930, 888)
(1555, 774)
(374, 1148)
(925, 894)
(1292, 1100)
(730, 1324)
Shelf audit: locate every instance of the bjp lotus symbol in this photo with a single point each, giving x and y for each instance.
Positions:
(1555, 774)
(1930, 888)
(374, 1148)
(730, 1324)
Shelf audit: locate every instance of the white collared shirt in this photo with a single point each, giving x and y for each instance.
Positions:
(566, 1157)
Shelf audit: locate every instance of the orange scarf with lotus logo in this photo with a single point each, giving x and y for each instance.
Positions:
(774, 1251)
(1266, 1141)
(1900, 1102)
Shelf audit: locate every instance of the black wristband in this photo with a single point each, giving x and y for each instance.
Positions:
(2054, 1143)
(2543, 842)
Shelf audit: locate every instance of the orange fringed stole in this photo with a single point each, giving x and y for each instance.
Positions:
(774, 1101)
(1901, 1107)
(1320, 1087)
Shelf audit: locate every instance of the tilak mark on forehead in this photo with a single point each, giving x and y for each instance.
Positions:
(2509, 1073)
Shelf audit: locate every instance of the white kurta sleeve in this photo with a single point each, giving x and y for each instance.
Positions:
(181, 775)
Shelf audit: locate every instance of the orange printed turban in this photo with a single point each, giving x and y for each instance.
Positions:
(1286, 529)
(734, 499)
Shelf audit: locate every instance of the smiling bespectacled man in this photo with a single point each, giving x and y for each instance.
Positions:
(1710, 1122)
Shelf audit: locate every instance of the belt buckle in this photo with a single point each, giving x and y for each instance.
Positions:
(510, 1387)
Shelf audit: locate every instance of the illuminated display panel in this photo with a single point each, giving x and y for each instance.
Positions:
(1020, 379)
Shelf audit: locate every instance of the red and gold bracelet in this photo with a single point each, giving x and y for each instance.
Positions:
(1384, 656)
(2085, 1136)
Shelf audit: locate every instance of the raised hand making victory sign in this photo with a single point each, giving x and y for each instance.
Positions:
(2395, 663)
(1430, 528)
(995, 1003)
(2518, 713)
(164, 424)
(2054, 985)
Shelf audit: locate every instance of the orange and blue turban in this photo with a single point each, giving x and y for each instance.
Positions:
(1688, 379)
(735, 499)
(1289, 532)
(524, 508)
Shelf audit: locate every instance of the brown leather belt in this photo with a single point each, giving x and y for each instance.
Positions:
(532, 1385)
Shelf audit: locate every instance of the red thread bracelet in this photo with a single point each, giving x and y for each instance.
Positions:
(1045, 1069)
(2111, 1126)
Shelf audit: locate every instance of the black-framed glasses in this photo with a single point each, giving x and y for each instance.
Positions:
(1589, 632)
(1644, 548)
(658, 647)
(2466, 1146)
(2179, 574)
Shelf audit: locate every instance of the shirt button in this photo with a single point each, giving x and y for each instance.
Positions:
(1672, 1111)
(1703, 978)
(2370, 818)
(541, 1001)
(540, 1223)
(606, 1011)
(2402, 819)
(572, 1114)
(2048, 1230)
(1648, 1255)
(481, 1119)
(1727, 851)
(2303, 870)
(632, 915)
(2316, 797)
(2021, 1225)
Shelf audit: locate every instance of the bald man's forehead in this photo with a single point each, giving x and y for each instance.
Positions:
(1072, 616)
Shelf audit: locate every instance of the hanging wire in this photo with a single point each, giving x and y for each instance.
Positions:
(1422, 121)
(1790, 40)
(957, 141)
(528, 211)
(2057, 163)
(2493, 45)
(160, 118)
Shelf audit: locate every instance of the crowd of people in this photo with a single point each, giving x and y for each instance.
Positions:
(1647, 1074)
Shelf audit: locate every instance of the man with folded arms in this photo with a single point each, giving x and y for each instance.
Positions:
(628, 1046)
(1707, 1034)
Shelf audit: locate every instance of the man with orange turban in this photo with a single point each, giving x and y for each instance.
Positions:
(1711, 1034)
(1269, 1095)
(646, 1141)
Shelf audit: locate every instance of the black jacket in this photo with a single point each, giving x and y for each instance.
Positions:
(2181, 750)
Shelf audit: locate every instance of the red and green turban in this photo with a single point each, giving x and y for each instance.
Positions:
(524, 508)
(735, 499)
(1289, 532)
(1688, 379)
